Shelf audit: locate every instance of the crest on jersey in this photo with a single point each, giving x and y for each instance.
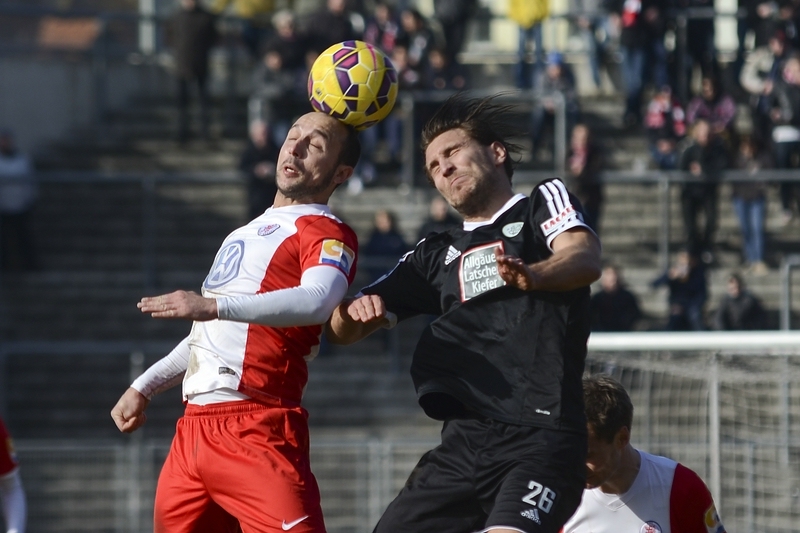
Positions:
(650, 526)
(338, 254)
(263, 231)
(478, 272)
(226, 265)
(513, 229)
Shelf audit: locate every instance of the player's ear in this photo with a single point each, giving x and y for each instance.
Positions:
(342, 174)
(499, 152)
(622, 438)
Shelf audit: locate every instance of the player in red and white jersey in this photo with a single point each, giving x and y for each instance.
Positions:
(12, 495)
(240, 454)
(628, 490)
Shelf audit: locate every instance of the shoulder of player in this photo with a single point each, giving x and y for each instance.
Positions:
(549, 187)
(327, 226)
(688, 483)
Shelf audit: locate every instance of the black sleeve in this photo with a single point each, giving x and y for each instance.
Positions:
(554, 210)
(405, 290)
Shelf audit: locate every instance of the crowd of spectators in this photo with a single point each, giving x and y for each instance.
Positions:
(696, 133)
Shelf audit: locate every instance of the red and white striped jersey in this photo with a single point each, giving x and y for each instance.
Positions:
(666, 497)
(267, 254)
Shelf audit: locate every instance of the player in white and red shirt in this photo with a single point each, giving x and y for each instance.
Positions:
(12, 495)
(630, 491)
(240, 457)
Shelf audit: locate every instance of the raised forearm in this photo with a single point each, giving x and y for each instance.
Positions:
(570, 267)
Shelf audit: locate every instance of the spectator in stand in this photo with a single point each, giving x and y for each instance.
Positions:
(557, 80)
(194, 34)
(440, 218)
(642, 45)
(442, 74)
(739, 309)
(453, 16)
(760, 72)
(614, 308)
(715, 107)
(281, 78)
(665, 122)
(391, 128)
(383, 28)
(329, 25)
(688, 292)
(597, 29)
(417, 38)
(785, 115)
(585, 161)
(18, 193)
(758, 17)
(749, 203)
(529, 14)
(254, 15)
(258, 163)
(704, 156)
(699, 38)
(385, 245)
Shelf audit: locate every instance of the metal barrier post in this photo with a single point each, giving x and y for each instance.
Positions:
(714, 452)
(664, 208)
(135, 459)
(147, 26)
(683, 78)
(789, 262)
(560, 134)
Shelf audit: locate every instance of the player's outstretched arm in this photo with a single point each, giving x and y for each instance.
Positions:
(575, 263)
(180, 304)
(356, 318)
(129, 414)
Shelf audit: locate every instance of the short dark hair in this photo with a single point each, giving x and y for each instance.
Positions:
(608, 406)
(481, 118)
(350, 151)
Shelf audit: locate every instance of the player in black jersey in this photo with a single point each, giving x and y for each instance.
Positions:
(502, 363)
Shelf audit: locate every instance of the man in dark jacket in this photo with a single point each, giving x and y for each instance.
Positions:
(704, 157)
(739, 309)
(614, 308)
(194, 33)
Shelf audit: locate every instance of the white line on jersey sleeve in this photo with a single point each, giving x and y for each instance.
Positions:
(312, 302)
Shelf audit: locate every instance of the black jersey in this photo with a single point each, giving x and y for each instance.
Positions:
(495, 350)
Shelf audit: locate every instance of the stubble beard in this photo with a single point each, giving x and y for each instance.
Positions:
(473, 201)
(298, 190)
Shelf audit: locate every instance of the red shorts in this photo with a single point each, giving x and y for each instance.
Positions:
(8, 459)
(239, 464)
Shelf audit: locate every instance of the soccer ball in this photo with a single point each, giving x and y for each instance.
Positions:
(354, 82)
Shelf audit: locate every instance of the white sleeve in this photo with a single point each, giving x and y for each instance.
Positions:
(312, 302)
(12, 498)
(165, 373)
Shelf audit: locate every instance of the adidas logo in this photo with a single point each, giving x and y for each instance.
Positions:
(452, 255)
(532, 514)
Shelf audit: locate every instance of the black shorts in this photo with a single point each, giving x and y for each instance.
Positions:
(489, 474)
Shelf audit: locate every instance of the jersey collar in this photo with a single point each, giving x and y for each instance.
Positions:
(470, 226)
